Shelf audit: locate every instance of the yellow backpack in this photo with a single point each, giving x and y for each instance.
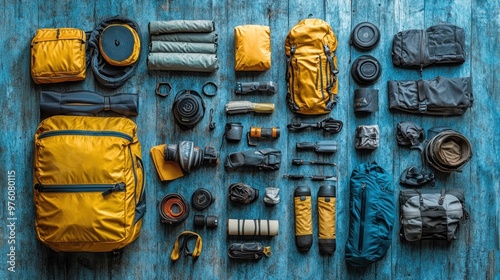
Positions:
(88, 183)
(311, 67)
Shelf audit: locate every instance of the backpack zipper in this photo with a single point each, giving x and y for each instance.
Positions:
(321, 78)
(106, 189)
(85, 133)
(362, 218)
(317, 73)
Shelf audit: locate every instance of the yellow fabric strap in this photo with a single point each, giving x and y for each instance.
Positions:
(186, 235)
(167, 170)
(326, 218)
(303, 216)
(267, 251)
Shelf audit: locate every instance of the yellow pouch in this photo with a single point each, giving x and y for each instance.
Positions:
(303, 218)
(88, 183)
(252, 48)
(167, 170)
(58, 55)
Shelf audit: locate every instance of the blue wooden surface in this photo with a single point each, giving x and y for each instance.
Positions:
(476, 253)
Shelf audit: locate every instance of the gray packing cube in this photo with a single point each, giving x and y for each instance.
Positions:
(173, 26)
(182, 47)
(431, 214)
(187, 37)
(439, 44)
(183, 62)
(439, 96)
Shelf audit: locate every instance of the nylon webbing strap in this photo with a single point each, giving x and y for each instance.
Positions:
(183, 240)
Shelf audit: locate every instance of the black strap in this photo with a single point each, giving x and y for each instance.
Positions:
(327, 125)
(422, 98)
(333, 72)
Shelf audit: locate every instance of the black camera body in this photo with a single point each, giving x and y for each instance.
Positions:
(188, 156)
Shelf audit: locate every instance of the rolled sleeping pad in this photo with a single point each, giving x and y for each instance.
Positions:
(183, 62)
(87, 102)
(173, 26)
(252, 227)
(303, 218)
(326, 220)
(182, 47)
(211, 37)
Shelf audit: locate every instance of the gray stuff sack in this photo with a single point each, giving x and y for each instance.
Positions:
(173, 26)
(187, 37)
(439, 96)
(431, 214)
(198, 62)
(182, 47)
(439, 44)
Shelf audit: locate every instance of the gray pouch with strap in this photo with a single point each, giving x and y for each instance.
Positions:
(439, 96)
(264, 159)
(431, 214)
(248, 251)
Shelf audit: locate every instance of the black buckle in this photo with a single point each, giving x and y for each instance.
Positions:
(422, 107)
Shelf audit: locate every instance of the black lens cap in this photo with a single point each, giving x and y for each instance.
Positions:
(366, 70)
(202, 199)
(365, 36)
(188, 109)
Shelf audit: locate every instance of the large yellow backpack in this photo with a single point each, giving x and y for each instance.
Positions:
(88, 183)
(311, 67)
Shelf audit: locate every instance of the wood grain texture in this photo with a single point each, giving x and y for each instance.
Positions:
(476, 253)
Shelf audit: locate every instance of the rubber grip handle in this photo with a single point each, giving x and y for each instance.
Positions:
(318, 178)
(264, 108)
(305, 145)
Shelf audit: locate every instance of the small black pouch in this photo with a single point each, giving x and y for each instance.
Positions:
(248, 251)
(367, 137)
(439, 44)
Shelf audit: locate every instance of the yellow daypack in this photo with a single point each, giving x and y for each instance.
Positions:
(58, 55)
(88, 183)
(311, 76)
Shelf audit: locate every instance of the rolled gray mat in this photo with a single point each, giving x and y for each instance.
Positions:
(183, 62)
(252, 227)
(187, 37)
(182, 47)
(173, 26)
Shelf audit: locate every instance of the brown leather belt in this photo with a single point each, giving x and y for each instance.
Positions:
(173, 209)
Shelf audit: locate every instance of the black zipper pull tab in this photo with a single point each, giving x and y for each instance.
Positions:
(115, 188)
(38, 187)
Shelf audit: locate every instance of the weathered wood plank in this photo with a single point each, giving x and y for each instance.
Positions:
(473, 256)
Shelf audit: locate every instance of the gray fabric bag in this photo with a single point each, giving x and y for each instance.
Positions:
(199, 62)
(439, 96)
(439, 44)
(173, 26)
(431, 214)
(187, 37)
(182, 47)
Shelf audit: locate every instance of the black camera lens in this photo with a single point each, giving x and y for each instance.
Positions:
(210, 221)
(188, 109)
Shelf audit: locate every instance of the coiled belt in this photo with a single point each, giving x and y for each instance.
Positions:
(173, 209)
(448, 151)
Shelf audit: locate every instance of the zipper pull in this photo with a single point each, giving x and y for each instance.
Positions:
(115, 188)
(363, 187)
(38, 187)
